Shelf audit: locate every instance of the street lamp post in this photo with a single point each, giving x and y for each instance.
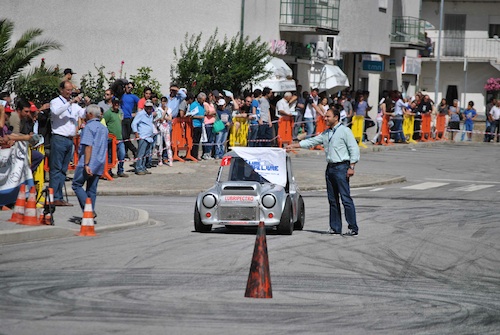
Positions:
(438, 60)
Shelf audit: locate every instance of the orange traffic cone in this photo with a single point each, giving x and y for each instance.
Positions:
(18, 214)
(259, 279)
(87, 225)
(30, 217)
(46, 216)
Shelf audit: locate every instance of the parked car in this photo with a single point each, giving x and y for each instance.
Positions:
(252, 185)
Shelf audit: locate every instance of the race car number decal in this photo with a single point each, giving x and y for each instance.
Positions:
(239, 198)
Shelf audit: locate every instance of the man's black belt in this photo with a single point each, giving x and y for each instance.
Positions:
(68, 137)
(339, 163)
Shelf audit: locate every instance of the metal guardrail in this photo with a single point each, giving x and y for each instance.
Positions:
(487, 48)
(408, 30)
(312, 13)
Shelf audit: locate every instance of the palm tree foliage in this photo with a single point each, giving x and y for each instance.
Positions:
(14, 57)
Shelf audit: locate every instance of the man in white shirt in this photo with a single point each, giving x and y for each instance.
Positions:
(283, 106)
(64, 114)
(495, 119)
(310, 111)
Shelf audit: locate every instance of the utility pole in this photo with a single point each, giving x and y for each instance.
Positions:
(438, 60)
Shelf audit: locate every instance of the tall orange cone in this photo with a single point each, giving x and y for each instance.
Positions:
(30, 214)
(259, 279)
(87, 225)
(18, 214)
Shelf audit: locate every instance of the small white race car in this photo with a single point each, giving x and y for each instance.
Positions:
(253, 185)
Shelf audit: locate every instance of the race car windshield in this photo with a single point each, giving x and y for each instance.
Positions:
(239, 170)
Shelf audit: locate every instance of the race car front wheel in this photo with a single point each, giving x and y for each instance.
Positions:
(198, 225)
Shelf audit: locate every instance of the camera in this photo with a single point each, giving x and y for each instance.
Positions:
(310, 100)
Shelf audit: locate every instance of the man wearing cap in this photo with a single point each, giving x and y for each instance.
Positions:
(64, 114)
(143, 128)
(92, 157)
(113, 117)
(175, 98)
(68, 75)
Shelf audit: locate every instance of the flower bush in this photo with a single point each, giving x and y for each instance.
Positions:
(492, 84)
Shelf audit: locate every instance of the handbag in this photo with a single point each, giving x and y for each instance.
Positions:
(218, 125)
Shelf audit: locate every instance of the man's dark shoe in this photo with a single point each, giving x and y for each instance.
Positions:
(61, 203)
(141, 173)
(122, 175)
(147, 172)
(351, 232)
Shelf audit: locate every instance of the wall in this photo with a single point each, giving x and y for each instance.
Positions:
(140, 34)
(363, 29)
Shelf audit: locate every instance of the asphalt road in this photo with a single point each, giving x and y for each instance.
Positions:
(426, 262)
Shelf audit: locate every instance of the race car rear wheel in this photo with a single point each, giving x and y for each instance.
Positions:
(198, 225)
(286, 223)
(301, 216)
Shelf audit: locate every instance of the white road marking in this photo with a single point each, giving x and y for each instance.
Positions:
(472, 188)
(377, 189)
(466, 181)
(424, 186)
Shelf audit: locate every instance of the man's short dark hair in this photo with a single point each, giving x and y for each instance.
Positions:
(266, 91)
(315, 89)
(335, 112)
(147, 88)
(4, 95)
(257, 92)
(22, 103)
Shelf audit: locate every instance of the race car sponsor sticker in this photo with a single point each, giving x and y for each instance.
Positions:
(225, 161)
(239, 198)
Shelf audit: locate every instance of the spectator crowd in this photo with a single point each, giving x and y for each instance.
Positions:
(143, 125)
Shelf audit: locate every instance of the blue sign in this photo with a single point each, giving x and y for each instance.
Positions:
(372, 65)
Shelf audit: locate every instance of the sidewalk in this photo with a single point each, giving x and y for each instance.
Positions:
(184, 179)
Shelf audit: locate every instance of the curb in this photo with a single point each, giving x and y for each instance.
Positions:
(14, 236)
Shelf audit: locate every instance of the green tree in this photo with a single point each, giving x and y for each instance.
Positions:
(13, 59)
(144, 79)
(229, 64)
(39, 85)
(93, 86)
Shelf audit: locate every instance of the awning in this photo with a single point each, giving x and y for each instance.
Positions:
(280, 79)
(328, 78)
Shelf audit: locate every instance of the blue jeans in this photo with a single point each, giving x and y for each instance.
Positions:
(398, 126)
(265, 134)
(140, 165)
(120, 151)
(253, 132)
(61, 149)
(120, 154)
(81, 177)
(220, 140)
(208, 145)
(309, 121)
(337, 186)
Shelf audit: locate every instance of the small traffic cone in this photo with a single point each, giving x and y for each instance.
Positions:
(30, 213)
(46, 216)
(18, 214)
(259, 279)
(87, 225)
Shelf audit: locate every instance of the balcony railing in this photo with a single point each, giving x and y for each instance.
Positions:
(321, 16)
(486, 48)
(408, 31)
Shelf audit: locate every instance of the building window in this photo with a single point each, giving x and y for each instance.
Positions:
(494, 30)
(382, 6)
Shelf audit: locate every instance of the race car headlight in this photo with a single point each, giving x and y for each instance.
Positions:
(268, 201)
(209, 201)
